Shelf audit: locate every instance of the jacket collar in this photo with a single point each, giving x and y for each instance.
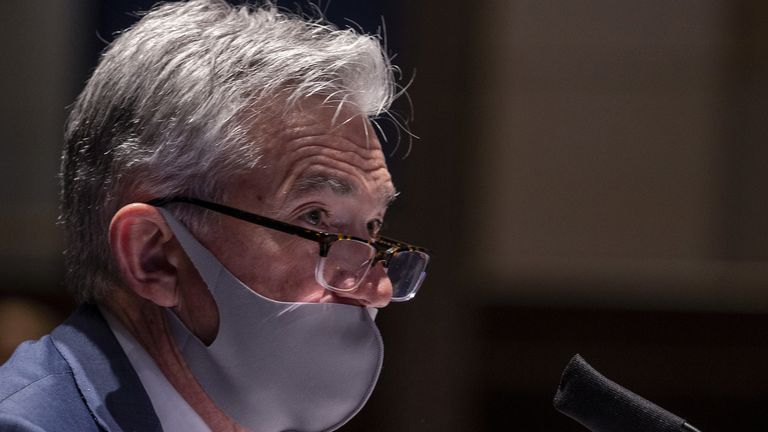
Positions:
(104, 376)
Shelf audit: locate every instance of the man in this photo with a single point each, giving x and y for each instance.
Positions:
(222, 192)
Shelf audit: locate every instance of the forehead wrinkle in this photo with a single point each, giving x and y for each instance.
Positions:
(302, 168)
(334, 142)
(306, 142)
(354, 161)
(327, 162)
(367, 129)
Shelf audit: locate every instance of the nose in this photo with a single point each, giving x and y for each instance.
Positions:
(374, 291)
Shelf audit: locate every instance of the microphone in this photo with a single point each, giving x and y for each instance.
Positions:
(601, 405)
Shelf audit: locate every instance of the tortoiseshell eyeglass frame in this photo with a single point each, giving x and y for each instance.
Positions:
(385, 247)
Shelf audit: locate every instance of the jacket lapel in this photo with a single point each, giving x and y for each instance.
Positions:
(107, 382)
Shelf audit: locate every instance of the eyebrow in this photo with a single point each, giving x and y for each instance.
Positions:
(390, 195)
(338, 186)
(318, 182)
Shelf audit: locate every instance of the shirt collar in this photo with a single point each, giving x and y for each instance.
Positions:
(174, 412)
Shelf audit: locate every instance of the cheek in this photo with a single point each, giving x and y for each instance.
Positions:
(284, 272)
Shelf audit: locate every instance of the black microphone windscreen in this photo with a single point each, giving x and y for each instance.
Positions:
(604, 406)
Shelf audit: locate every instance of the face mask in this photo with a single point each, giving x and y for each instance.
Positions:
(279, 366)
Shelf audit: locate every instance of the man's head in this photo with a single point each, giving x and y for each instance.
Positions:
(223, 190)
(251, 107)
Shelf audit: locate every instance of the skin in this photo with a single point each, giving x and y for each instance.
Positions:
(322, 168)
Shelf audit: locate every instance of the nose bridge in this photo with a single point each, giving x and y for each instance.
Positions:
(383, 256)
(386, 249)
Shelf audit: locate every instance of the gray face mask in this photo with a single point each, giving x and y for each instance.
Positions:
(279, 366)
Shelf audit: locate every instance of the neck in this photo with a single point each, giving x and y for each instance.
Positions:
(147, 324)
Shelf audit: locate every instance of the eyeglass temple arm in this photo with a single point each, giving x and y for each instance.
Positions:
(275, 224)
(323, 238)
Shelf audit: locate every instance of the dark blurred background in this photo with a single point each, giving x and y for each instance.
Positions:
(591, 176)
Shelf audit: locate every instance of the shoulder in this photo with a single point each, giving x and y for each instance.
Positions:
(76, 379)
(10, 423)
(34, 367)
(37, 390)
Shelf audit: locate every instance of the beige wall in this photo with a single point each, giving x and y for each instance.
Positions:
(605, 148)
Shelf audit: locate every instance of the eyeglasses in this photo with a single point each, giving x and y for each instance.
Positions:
(344, 260)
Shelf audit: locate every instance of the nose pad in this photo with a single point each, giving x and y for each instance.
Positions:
(374, 291)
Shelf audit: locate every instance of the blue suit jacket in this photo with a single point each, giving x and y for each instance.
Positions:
(75, 379)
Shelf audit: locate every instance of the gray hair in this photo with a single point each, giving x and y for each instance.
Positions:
(164, 112)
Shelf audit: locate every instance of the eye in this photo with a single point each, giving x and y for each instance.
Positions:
(374, 227)
(314, 217)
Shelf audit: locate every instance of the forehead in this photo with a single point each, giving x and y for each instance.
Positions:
(323, 147)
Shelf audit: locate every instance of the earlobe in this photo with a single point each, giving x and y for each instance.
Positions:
(142, 245)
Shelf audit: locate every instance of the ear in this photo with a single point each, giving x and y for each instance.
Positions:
(148, 258)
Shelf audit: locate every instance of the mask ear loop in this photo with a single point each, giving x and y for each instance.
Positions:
(201, 258)
(203, 261)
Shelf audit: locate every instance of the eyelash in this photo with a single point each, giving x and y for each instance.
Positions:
(374, 227)
(323, 215)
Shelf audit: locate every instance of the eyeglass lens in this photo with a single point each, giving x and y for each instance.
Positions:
(348, 262)
(406, 271)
